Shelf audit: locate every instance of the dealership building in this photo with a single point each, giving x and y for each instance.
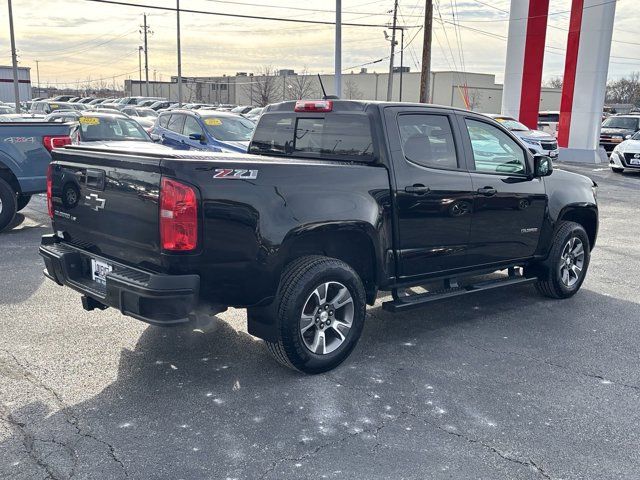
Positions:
(7, 93)
(478, 91)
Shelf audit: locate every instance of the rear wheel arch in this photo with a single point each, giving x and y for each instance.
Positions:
(354, 246)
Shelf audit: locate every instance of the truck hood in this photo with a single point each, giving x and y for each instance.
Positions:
(569, 178)
(616, 131)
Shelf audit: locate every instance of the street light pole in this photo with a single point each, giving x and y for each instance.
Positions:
(38, 75)
(179, 56)
(14, 60)
(338, 52)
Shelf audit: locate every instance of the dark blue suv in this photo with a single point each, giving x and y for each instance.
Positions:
(204, 130)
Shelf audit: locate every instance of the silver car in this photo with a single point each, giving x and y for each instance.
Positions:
(537, 141)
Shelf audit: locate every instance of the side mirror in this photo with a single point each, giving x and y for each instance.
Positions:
(156, 138)
(198, 137)
(542, 166)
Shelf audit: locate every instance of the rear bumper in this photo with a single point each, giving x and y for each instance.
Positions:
(158, 299)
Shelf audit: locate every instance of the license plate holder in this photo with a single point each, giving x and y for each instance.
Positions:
(634, 161)
(99, 271)
(553, 153)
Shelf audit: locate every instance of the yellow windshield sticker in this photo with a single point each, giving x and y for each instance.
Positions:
(500, 120)
(54, 105)
(213, 121)
(89, 121)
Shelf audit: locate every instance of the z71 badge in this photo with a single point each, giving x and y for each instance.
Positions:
(237, 174)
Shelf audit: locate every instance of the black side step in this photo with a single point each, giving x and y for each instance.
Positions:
(401, 304)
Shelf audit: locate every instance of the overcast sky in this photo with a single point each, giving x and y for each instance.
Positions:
(76, 40)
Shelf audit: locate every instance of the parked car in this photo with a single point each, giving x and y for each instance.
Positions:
(24, 158)
(537, 141)
(140, 112)
(617, 129)
(160, 104)
(336, 201)
(63, 116)
(204, 130)
(107, 127)
(626, 155)
(254, 114)
(97, 101)
(549, 122)
(4, 109)
(45, 107)
(62, 98)
(242, 109)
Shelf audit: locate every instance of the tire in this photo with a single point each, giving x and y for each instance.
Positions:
(300, 300)
(564, 260)
(617, 170)
(8, 204)
(23, 201)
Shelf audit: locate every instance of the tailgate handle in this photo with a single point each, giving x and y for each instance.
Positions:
(94, 179)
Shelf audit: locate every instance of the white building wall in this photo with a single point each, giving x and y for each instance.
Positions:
(7, 94)
(446, 89)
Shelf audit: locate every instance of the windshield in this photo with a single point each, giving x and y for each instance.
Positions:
(626, 123)
(636, 136)
(6, 109)
(229, 129)
(147, 113)
(511, 124)
(93, 129)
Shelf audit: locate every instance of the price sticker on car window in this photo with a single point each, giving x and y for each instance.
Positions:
(54, 105)
(89, 121)
(214, 122)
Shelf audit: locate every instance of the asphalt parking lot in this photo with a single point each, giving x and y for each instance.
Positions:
(505, 385)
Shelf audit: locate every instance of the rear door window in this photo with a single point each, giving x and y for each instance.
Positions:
(176, 123)
(164, 121)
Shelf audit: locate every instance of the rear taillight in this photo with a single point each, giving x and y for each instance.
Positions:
(58, 141)
(178, 216)
(314, 106)
(50, 190)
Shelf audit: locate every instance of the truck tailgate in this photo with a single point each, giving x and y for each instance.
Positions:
(107, 203)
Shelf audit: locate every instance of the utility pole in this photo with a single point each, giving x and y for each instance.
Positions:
(140, 49)
(393, 46)
(338, 52)
(425, 83)
(14, 60)
(38, 75)
(146, 53)
(179, 56)
(401, 59)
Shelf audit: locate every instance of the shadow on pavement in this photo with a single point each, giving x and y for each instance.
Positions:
(209, 402)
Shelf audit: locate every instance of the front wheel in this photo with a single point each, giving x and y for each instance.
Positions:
(568, 261)
(617, 170)
(320, 314)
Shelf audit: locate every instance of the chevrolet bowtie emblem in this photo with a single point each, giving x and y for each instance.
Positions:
(94, 202)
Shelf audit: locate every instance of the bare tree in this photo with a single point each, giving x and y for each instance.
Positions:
(302, 86)
(263, 87)
(474, 97)
(554, 82)
(351, 90)
(625, 90)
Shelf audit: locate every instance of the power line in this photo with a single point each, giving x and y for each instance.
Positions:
(237, 15)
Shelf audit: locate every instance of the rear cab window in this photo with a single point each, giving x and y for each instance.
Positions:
(331, 136)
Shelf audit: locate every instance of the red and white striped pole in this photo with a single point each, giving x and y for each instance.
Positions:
(585, 79)
(525, 58)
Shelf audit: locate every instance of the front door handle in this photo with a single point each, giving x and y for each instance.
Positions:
(487, 191)
(417, 189)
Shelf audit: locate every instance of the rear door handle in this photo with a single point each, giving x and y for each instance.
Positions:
(487, 191)
(417, 189)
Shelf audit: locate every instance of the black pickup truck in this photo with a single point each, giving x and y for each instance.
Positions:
(335, 201)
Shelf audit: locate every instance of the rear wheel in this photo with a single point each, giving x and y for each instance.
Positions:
(321, 310)
(8, 204)
(568, 261)
(23, 201)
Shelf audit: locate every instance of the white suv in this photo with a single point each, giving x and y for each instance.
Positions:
(537, 142)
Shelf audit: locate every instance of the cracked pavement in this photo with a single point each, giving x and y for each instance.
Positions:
(505, 385)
